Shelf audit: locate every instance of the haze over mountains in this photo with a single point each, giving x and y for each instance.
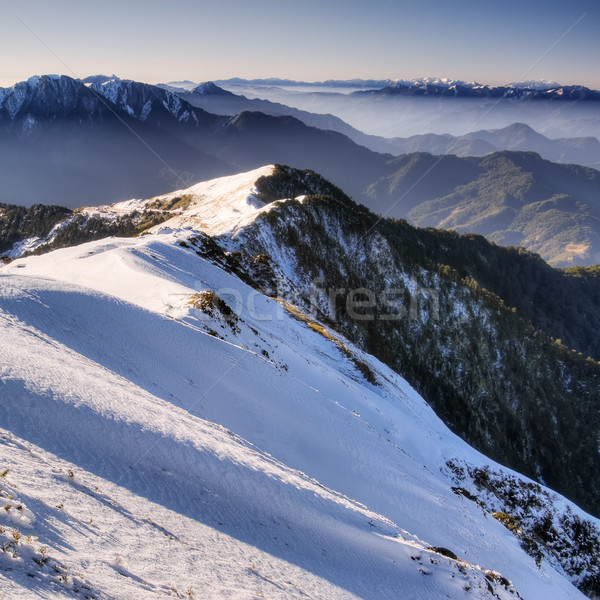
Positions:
(517, 136)
(433, 105)
(65, 132)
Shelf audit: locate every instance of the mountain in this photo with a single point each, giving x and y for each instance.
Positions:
(432, 105)
(66, 131)
(517, 137)
(214, 99)
(430, 86)
(563, 305)
(458, 89)
(170, 429)
(68, 142)
(64, 143)
(512, 198)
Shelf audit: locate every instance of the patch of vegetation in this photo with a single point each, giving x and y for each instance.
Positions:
(255, 270)
(510, 522)
(444, 552)
(177, 204)
(544, 531)
(287, 182)
(18, 223)
(211, 304)
(460, 491)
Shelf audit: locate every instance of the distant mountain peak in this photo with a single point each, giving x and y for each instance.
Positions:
(525, 90)
(210, 89)
(46, 96)
(99, 79)
(534, 84)
(519, 127)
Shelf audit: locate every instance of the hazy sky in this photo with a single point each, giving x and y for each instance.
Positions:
(491, 41)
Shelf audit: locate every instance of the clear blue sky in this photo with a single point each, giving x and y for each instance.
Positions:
(490, 41)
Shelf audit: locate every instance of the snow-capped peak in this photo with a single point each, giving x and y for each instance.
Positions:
(48, 93)
(139, 100)
(99, 79)
(532, 84)
(214, 207)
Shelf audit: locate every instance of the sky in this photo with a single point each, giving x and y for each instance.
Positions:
(156, 41)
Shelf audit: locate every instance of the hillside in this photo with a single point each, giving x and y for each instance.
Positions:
(517, 287)
(512, 198)
(516, 137)
(171, 430)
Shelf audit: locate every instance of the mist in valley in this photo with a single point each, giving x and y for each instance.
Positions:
(393, 116)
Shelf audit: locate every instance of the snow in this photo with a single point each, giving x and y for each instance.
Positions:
(153, 446)
(532, 84)
(220, 206)
(146, 109)
(99, 377)
(15, 97)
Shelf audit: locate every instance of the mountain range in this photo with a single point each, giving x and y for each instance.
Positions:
(457, 89)
(434, 86)
(68, 130)
(512, 198)
(192, 407)
(440, 106)
(59, 137)
(517, 136)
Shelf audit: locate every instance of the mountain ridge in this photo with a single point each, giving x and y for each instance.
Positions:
(73, 150)
(513, 198)
(441, 86)
(452, 266)
(282, 407)
(457, 89)
(518, 136)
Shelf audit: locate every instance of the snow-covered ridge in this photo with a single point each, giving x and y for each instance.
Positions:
(252, 451)
(531, 90)
(214, 207)
(531, 84)
(296, 414)
(221, 205)
(136, 99)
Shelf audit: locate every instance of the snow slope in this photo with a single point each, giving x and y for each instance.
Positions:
(154, 444)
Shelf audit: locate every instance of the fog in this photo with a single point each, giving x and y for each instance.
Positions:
(401, 116)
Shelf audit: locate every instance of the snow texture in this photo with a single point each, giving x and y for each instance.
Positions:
(158, 447)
